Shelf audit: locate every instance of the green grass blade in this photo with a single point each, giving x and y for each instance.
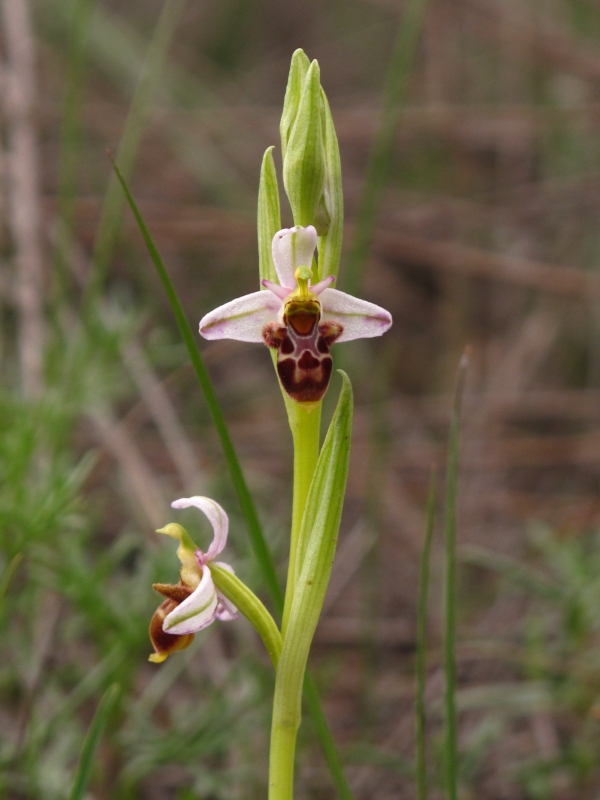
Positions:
(8, 575)
(421, 640)
(450, 738)
(311, 695)
(95, 731)
(112, 208)
(394, 94)
(257, 540)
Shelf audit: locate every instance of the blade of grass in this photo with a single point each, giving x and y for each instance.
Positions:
(92, 740)
(257, 539)
(8, 575)
(246, 502)
(394, 94)
(450, 737)
(421, 640)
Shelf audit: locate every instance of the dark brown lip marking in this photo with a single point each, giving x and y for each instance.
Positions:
(304, 363)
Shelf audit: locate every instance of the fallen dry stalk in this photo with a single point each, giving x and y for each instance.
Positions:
(23, 189)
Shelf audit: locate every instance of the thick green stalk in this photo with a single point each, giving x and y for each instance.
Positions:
(306, 427)
(315, 550)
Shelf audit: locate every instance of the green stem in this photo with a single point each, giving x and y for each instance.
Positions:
(306, 426)
(250, 606)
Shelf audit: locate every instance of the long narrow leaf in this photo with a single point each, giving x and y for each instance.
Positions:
(257, 540)
(450, 738)
(422, 640)
(94, 734)
(316, 549)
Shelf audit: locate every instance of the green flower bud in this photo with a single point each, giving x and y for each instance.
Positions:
(304, 161)
(330, 243)
(298, 69)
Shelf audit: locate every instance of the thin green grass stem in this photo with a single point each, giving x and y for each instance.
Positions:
(421, 767)
(306, 429)
(92, 740)
(451, 726)
(394, 95)
(112, 208)
(245, 499)
(257, 539)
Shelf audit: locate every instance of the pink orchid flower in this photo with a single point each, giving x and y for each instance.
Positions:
(195, 602)
(300, 320)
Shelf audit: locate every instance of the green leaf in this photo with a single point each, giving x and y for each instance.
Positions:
(316, 549)
(304, 162)
(251, 607)
(257, 538)
(95, 731)
(298, 69)
(269, 216)
(330, 244)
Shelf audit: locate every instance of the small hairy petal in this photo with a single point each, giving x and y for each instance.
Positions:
(195, 613)
(322, 285)
(279, 291)
(242, 319)
(293, 247)
(360, 319)
(218, 519)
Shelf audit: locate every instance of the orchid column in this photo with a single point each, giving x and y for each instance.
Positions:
(299, 316)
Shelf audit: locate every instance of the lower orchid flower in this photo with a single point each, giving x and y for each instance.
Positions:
(194, 602)
(301, 321)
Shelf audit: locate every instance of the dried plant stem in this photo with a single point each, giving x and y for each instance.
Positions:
(23, 197)
(160, 407)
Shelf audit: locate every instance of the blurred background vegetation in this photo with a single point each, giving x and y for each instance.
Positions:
(487, 235)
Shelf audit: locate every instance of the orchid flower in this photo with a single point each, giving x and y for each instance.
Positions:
(195, 602)
(298, 319)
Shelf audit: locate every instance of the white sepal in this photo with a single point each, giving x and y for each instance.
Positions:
(242, 319)
(197, 611)
(217, 518)
(360, 319)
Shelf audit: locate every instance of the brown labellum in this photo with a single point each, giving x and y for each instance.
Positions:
(304, 362)
(166, 643)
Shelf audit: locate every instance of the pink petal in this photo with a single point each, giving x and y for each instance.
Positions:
(279, 291)
(360, 319)
(217, 518)
(226, 611)
(242, 319)
(322, 285)
(195, 612)
(293, 247)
